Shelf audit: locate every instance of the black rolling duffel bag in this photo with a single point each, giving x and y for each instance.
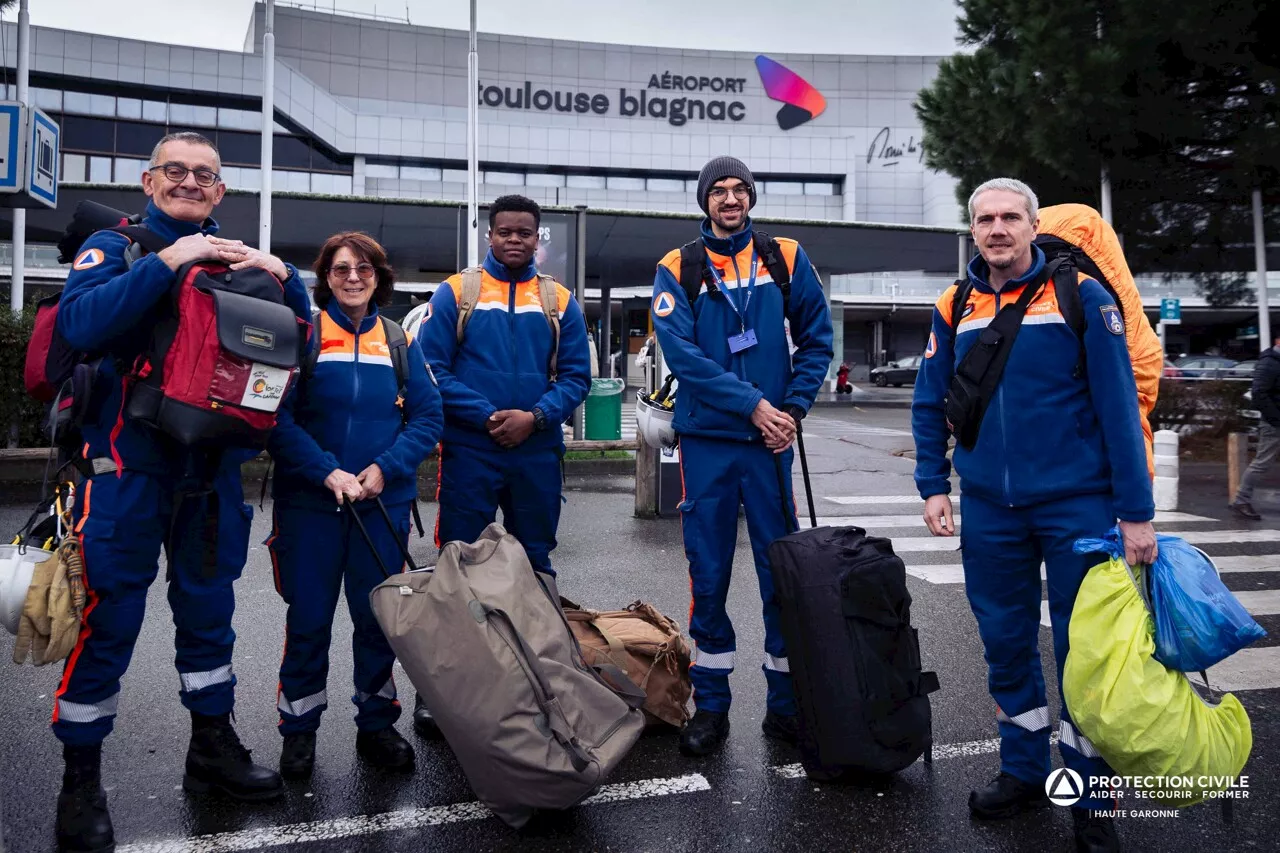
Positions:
(854, 657)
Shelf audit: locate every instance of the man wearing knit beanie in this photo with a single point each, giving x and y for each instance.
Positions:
(719, 305)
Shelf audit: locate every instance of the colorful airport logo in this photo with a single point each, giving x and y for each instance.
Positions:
(800, 101)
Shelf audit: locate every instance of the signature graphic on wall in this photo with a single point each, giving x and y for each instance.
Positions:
(800, 101)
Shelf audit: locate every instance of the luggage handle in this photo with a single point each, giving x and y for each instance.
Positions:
(368, 540)
(787, 514)
(557, 723)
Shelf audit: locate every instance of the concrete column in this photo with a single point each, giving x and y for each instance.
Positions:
(357, 176)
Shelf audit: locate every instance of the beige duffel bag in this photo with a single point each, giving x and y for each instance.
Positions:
(644, 644)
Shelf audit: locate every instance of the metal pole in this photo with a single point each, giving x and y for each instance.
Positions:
(1260, 256)
(268, 127)
(579, 292)
(1106, 193)
(606, 329)
(962, 260)
(16, 289)
(473, 140)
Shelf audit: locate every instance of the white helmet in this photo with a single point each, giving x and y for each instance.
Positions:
(17, 564)
(413, 319)
(655, 415)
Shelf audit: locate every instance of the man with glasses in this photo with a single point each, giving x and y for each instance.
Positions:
(719, 308)
(127, 509)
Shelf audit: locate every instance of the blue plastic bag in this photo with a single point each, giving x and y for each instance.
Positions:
(1198, 621)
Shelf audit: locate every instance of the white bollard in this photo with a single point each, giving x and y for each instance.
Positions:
(1165, 485)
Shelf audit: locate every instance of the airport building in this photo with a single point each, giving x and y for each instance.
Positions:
(370, 133)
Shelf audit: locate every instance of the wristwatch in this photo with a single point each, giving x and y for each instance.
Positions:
(539, 420)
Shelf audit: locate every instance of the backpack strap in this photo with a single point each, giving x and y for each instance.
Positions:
(142, 241)
(769, 251)
(313, 353)
(959, 299)
(549, 296)
(1066, 287)
(693, 270)
(471, 281)
(398, 343)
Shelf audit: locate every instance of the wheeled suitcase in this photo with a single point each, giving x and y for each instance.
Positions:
(485, 642)
(854, 656)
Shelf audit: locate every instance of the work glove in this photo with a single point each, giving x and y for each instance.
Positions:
(33, 625)
(66, 601)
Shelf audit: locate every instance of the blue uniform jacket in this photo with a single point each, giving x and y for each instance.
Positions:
(346, 415)
(720, 389)
(1047, 434)
(109, 309)
(504, 357)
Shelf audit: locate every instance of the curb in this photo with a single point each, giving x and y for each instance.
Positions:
(862, 404)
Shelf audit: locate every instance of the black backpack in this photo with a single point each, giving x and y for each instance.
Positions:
(694, 274)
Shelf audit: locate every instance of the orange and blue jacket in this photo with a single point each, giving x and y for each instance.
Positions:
(504, 359)
(348, 415)
(719, 389)
(1047, 433)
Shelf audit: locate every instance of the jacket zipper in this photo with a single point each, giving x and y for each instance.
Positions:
(1004, 444)
(511, 326)
(355, 389)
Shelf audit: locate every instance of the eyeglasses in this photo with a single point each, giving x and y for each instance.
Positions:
(177, 173)
(741, 192)
(343, 271)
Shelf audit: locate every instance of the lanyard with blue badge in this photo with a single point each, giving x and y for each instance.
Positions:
(747, 337)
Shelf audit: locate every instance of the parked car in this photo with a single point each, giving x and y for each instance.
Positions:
(1205, 366)
(1171, 370)
(1244, 369)
(897, 373)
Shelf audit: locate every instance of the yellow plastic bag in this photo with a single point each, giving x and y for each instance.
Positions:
(1146, 720)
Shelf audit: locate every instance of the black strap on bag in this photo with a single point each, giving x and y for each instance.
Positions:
(364, 531)
(978, 375)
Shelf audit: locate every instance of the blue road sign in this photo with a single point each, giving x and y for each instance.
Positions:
(10, 147)
(1171, 311)
(42, 159)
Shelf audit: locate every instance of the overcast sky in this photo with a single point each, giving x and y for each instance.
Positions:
(909, 27)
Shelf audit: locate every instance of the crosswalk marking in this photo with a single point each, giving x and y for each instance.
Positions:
(953, 574)
(934, 544)
(885, 522)
(875, 500)
(1247, 669)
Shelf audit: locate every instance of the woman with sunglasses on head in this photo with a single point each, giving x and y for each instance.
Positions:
(363, 416)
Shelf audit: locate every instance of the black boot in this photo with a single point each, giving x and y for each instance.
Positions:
(705, 733)
(298, 755)
(216, 760)
(385, 748)
(423, 723)
(1094, 833)
(783, 727)
(1005, 797)
(84, 824)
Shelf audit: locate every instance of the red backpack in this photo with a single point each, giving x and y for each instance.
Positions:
(220, 361)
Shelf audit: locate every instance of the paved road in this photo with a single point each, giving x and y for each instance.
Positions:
(749, 797)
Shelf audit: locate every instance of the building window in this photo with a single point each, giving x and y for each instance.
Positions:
(585, 182)
(619, 183)
(504, 179)
(80, 133)
(137, 138)
(86, 104)
(666, 185)
(49, 100)
(100, 170)
(543, 179)
(456, 176)
(342, 185)
(381, 170)
(129, 170)
(73, 168)
(157, 111)
(781, 188)
(239, 119)
(823, 188)
(420, 173)
(129, 108)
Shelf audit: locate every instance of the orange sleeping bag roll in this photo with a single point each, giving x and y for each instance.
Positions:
(1081, 232)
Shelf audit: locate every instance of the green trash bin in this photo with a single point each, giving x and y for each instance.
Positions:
(602, 417)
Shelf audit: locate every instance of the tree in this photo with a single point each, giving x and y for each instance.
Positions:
(1179, 98)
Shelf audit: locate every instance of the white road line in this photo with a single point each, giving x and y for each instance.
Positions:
(940, 751)
(923, 544)
(1260, 602)
(875, 500)
(886, 522)
(349, 827)
(952, 574)
(1247, 669)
